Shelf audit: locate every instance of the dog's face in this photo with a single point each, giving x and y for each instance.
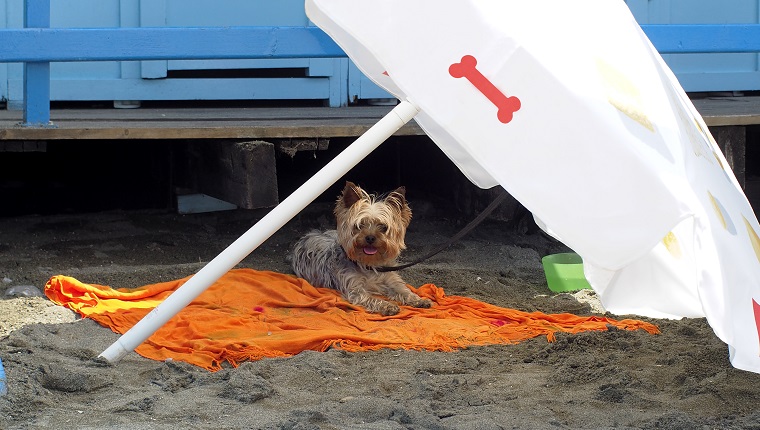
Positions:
(371, 230)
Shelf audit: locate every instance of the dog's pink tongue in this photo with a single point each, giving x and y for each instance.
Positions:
(370, 250)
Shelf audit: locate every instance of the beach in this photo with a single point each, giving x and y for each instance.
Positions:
(678, 379)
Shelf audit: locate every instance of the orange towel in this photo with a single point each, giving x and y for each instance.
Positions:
(248, 315)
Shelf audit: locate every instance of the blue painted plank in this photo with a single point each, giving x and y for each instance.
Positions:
(37, 94)
(189, 89)
(721, 81)
(153, 14)
(239, 13)
(172, 43)
(37, 74)
(37, 13)
(285, 63)
(704, 38)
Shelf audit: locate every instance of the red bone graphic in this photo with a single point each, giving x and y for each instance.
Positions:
(507, 105)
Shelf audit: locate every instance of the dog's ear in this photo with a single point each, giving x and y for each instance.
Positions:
(397, 198)
(350, 194)
(400, 191)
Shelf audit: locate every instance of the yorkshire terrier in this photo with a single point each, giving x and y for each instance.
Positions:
(370, 234)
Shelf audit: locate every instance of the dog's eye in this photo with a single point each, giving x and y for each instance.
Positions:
(382, 228)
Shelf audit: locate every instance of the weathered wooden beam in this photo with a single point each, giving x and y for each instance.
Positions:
(241, 173)
(732, 141)
(292, 146)
(197, 123)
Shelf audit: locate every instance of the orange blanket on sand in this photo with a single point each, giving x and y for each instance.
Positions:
(248, 315)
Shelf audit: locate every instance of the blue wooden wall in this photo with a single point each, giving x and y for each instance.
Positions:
(269, 79)
(334, 82)
(706, 72)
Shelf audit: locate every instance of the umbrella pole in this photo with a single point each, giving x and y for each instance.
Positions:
(261, 231)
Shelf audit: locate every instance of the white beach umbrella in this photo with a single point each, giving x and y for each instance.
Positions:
(567, 105)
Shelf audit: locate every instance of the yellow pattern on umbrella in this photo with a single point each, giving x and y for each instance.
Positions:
(671, 244)
(622, 94)
(753, 238)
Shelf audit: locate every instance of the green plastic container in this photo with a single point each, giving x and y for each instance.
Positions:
(564, 272)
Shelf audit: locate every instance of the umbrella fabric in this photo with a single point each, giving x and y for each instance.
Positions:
(249, 315)
(568, 106)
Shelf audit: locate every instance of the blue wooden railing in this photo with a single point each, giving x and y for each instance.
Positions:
(37, 46)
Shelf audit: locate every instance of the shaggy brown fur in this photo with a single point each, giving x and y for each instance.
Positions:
(370, 233)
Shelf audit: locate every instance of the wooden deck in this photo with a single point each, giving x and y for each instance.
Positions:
(268, 123)
(725, 111)
(200, 123)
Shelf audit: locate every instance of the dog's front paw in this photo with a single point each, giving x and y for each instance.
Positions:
(387, 309)
(422, 303)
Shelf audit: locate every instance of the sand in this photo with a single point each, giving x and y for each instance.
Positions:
(679, 379)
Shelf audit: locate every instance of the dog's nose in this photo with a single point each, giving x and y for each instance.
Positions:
(369, 239)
